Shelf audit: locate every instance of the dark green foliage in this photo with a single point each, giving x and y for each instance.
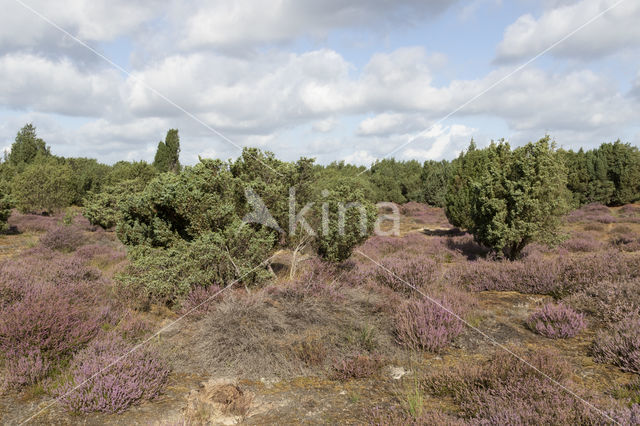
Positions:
(125, 170)
(177, 207)
(88, 176)
(343, 218)
(44, 186)
(599, 187)
(168, 153)
(272, 179)
(213, 258)
(435, 178)
(338, 170)
(623, 170)
(5, 210)
(519, 198)
(186, 230)
(397, 181)
(469, 166)
(7, 173)
(103, 208)
(608, 175)
(577, 175)
(27, 146)
(160, 161)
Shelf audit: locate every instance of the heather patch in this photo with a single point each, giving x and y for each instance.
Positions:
(556, 321)
(110, 376)
(620, 344)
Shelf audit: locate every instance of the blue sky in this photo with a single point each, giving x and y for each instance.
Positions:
(337, 80)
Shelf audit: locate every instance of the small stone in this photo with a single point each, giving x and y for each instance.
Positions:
(397, 372)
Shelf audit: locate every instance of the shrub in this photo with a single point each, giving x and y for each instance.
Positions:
(350, 220)
(466, 246)
(629, 211)
(533, 274)
(504, 390)
(519, 198)
(319, 278)
(360, 272)
(467, 168)
(51, 322)
(396, 181)
(179, 208)
(580, 272)
(43, 186)
(417, 271)
(118, 383)
(626, 416)
(249, 334)
(556, 321)
(395, 415)
(556, 276)
(434, 178)
(164, 275)
(608, 301)
(103, 208)
(63, 238)
(414, 243)
(32, 222)
(133, 327)
(26, 368)
(626, 242)
(582, 242)
(5, 210)
(101, 253)
(593, 212)
(422, 324)
(167, 154)
(200, 301)
(51, 306)
(620, 345)
(357, 366)
(311, 350)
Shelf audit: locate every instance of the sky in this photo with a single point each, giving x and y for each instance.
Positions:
(355, 80)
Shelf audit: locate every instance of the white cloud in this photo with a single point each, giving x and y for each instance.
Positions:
(381, 124)
(616, 30)
(240, 95)
(233, 71)
(275, 90)
(32, 82)
(228, 23)
(360, 158)
(326, 125)
(392, 123)
(438, 142)
(252, 101)
(532, 98)
(90, 20)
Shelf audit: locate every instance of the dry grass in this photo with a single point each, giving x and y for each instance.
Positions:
(269, 335)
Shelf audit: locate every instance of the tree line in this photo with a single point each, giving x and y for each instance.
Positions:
(188, 224)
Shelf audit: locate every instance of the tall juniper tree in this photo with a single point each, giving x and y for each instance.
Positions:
(27, 146)
(520, 197)
(167, 157)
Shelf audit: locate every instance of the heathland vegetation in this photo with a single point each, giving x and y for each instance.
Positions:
(506, 259)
